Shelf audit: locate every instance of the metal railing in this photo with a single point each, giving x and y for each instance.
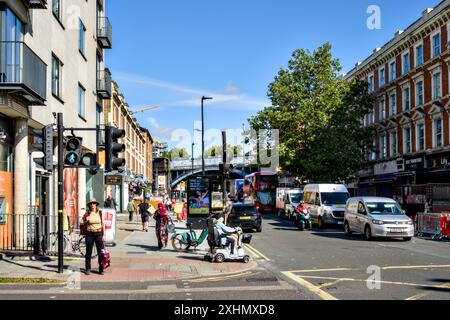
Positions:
(17, 232)
(104, 84)
(104, 33)
(20, 66)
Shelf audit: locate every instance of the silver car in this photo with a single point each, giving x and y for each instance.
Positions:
(377, 217)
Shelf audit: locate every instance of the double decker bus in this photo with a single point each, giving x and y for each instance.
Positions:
(260, 189)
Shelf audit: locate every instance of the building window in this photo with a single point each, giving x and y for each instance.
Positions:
(81, 44)
(437, 132)
(406, 67)
(371, 116)
(56, 76)
(420, 134)
(437, 85)
(407, 140)
(393, 140)
(371, 84)
(382, 77)
(383, 150)
(436, 45)
(56, 9)
(81, 101)
(406, 99)
(419, 93)
(419, 55)
(393, 71)
(382, 107)
(393, 104)
(373, 154)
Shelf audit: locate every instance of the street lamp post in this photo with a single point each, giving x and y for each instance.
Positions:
(203, 136)
(193, 144)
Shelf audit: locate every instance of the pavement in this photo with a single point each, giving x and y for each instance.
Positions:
(135, 258)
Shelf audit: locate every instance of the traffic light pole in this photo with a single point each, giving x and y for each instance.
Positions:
(60, 194)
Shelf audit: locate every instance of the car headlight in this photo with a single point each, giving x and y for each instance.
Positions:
(410, 223)
(379, 222)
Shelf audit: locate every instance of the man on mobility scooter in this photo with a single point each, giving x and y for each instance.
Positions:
(219, 242)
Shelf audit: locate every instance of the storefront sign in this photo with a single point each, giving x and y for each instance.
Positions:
(161, 182)
(385, 168)
(113, 180)
(439, 161)
(415, 164)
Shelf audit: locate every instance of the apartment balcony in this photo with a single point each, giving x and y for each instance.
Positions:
(104, 33)
(104, 84)
(22, 72)
(36, 4)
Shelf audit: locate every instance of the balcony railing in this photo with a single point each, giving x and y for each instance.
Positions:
(22, 72)
(104, 33)
(104, 82)
(36, 4)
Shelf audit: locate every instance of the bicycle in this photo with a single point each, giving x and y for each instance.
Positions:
(183, 241)
(49, 243)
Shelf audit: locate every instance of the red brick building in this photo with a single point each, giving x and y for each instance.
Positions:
(409, 77)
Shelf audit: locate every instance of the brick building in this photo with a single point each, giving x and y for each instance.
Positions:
(409, 77)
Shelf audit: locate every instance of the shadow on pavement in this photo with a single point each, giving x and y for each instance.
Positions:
(145, 247)
(339, 234)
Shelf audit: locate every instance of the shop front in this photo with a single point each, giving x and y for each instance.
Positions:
(6, 184)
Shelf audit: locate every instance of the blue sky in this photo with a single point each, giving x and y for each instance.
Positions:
(171, 52)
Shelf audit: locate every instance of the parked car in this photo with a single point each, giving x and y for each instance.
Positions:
(244, 215)
(326, 203)
(377, 217)
(287, 200)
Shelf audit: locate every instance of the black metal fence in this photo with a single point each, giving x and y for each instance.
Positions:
(24, 232)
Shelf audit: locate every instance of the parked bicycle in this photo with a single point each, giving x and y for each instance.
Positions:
(49, 243)
(183, 241)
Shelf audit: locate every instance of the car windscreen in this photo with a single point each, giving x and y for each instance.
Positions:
(384, 208)
(334, 198)
(296, 197)
(244, 209)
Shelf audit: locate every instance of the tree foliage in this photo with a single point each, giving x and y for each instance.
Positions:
(176, 153)
(216, 151)
(318, 115)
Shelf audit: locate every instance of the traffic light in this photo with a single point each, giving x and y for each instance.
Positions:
(113, 148)
(46, 147)
(75, 157)
(73, 151)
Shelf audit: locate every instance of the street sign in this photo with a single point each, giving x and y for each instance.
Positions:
(113, 180)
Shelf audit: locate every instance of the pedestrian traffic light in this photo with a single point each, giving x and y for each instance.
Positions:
(73, 151)
(113, 148)
(75, 157)
(46, 146)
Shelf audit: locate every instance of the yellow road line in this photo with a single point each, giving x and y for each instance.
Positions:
(329, 284)
(424, 294)
(314, 289)
(220, 278)
(323, 270)
(417, 267)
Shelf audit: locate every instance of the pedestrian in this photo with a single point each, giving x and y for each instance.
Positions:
(162, 220)
(110, 203)
(168, 204)
(145, 215)
(131, 209)
(429, 205)
(95, 233)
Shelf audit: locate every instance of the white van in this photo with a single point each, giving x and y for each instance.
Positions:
(287, 200)
(326, 203)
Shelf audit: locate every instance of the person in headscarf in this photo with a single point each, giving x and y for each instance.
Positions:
(162, 220)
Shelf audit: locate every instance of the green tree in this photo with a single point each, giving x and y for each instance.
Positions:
(318, 115)
(216, 151)
(176, 153)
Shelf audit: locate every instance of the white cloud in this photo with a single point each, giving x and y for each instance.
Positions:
(153, 122)
(231, 99)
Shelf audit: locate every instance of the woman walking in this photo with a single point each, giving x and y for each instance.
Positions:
(162, 219)
(95, 231)
(131, 209)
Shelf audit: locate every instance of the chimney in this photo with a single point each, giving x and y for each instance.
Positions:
(376, 50)
(398, 33)
(426, 12)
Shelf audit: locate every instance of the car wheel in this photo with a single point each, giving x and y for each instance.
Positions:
(407, 238)
(280, 214)
(259, 229)
(368, 233)
(347, 230)
(220, 258)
